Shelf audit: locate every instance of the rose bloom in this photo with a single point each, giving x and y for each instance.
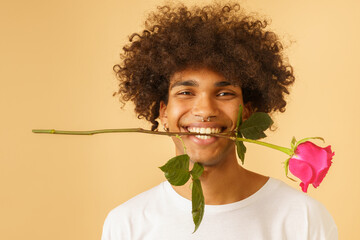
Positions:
(310, 164)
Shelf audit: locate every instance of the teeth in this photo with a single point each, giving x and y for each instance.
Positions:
(204, 131)
(202, 136)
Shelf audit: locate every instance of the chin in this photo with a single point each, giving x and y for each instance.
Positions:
(206, 162)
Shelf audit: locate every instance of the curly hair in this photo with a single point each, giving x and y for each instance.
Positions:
(221, 38)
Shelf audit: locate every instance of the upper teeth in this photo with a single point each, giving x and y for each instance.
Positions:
(204, 130)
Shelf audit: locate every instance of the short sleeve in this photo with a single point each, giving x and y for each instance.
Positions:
(114, 227)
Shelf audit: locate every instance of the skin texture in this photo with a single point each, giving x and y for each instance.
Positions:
(196, 94)
(201, 93)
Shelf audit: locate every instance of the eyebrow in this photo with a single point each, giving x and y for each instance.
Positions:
(222, 84)
(193, 83)
(189, 83)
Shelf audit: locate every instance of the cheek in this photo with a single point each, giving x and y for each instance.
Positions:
(175, 112)
(232, 111)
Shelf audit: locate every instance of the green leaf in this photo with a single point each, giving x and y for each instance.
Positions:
(198, 203)
(177, 170)
(197, 171)
(239, 120)
(255, 125)
(240, 149)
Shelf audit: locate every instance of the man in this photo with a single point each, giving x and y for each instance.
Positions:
(192, 69)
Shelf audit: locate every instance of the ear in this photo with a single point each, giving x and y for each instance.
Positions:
(163, 113)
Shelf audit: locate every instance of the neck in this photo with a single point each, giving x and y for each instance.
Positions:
(225, 183)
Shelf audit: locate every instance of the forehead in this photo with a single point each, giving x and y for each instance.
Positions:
(196, 77)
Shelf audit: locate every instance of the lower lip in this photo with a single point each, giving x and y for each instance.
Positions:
(202, 141)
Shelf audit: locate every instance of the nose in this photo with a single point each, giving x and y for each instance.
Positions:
(205, 107)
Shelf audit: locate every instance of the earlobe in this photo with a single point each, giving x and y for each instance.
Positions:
(162, 113)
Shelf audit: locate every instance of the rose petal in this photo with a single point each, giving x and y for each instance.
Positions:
(304, 186)
(320, 176)
(310, 164)
(303, 171)
(312, 154)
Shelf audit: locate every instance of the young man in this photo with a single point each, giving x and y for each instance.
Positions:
(192, 69)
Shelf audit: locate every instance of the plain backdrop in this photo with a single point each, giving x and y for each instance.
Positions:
(56, 72)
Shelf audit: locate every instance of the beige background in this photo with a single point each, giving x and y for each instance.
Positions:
(56, 72)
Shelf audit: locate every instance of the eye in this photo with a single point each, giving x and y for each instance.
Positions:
(186, 93)
(222, 94)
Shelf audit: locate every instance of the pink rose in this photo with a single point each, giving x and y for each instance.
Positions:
(310, 163)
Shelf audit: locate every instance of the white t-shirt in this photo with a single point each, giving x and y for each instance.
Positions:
(276, 211)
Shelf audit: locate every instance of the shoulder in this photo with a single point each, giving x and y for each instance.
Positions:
(119, 220)
(303, 211)
(139, 202)
(293, 198)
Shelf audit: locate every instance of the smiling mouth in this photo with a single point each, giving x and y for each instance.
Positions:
(203, 130)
